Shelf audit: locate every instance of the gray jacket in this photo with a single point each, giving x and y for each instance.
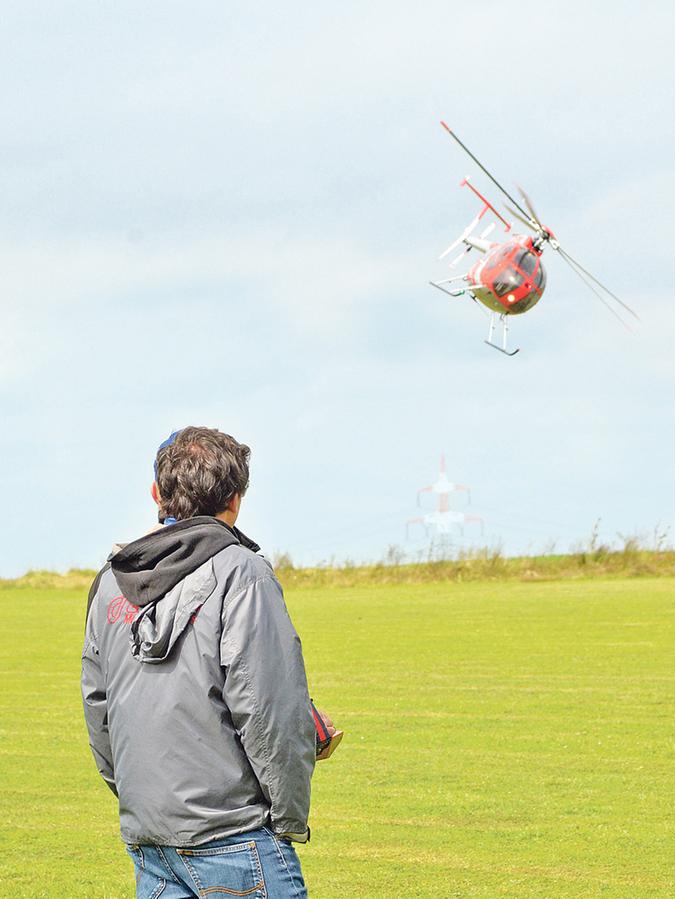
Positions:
(194, 689)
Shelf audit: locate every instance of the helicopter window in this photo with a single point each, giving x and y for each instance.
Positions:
(527, 262)
(503, 254)
(540, 278)
(507, 281)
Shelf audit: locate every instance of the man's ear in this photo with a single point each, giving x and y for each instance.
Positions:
(154, 492)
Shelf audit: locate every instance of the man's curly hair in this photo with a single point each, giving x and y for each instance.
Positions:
(200, 472)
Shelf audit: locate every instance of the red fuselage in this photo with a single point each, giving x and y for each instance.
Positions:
(510, 277)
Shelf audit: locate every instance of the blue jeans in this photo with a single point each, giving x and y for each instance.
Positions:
(255, 864)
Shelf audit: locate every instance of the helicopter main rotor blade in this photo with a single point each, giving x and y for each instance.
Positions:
(526, 221)
(482, 168)
(592, 278)
(530, 208)
(591, 286)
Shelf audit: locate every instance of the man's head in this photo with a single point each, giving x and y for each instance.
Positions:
(201, 471)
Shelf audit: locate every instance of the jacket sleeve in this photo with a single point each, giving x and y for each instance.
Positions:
(266, 693)
(96, 707)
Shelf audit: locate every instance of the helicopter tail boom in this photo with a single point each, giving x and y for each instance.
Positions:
(478, 243)
(488, 204)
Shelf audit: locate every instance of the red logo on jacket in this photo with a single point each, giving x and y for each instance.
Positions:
(118, 607)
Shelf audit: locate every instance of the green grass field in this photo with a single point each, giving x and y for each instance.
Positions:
(502, 739)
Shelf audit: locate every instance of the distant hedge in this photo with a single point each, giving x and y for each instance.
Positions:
(478, 565)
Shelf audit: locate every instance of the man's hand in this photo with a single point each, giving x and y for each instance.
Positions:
(334, 735)
(325, 717)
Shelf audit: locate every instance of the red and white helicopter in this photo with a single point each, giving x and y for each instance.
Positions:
(510, 279)
(443, 517)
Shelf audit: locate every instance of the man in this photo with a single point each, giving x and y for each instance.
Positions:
(195, 693)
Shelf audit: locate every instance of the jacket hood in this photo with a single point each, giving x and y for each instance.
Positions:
(169, 575)
(159, 625)
(147, 569)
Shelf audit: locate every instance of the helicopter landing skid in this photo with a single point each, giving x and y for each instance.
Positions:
(458, 292)
(466, 291)
(505, 331)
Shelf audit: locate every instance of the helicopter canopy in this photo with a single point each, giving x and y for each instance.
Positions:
(520, 276)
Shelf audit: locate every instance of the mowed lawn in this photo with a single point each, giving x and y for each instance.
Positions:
(502, 739)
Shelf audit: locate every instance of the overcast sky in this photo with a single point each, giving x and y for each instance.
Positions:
(227, 214)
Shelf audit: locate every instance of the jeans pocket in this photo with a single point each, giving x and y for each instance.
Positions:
(232, 870)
